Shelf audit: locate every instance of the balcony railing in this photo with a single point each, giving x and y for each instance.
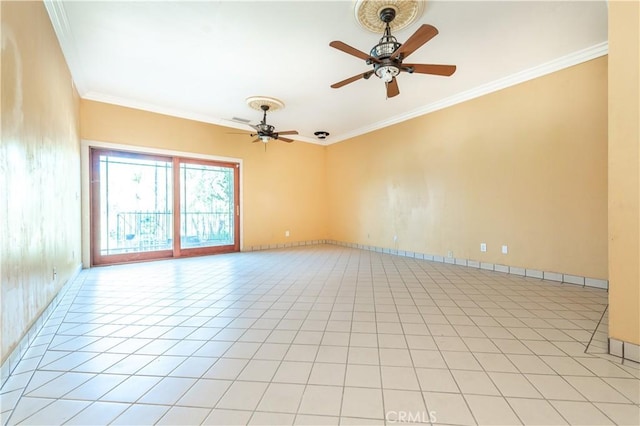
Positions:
(149, 231)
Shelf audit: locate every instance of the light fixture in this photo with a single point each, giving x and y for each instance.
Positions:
(387, 72)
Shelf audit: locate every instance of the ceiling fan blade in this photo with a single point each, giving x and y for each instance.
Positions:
(422, 35)
(445, 70)
(351, 50)
(352, 79)
(392, 88)
(288, 132)
(255, 140)
(285, 139)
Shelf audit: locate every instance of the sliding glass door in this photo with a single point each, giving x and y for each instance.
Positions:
(207, 205)
(149, 207)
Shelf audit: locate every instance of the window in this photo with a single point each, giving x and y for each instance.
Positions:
(149, 207)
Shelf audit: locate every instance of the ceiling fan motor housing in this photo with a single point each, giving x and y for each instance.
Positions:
(386, 69)
(388, 43)
(385, 48)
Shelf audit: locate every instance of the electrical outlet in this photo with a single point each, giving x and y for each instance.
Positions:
(286, 233)
(483, 247)
(449, 253)
(505, 249)
(55, 273)
(395, 238)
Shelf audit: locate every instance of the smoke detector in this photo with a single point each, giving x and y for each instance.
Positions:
(321, 134)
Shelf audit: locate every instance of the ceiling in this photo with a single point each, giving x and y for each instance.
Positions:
(202, 59)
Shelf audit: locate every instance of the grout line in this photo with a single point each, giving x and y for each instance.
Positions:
(393, 283)
(596, 329)
(465, 263)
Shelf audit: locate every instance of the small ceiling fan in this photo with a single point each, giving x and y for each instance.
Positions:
(266, 132)
(388, 54)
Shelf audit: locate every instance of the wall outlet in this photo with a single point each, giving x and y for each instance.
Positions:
(395, 238)
(450, 253)
(55, 273)
(505, 249)
(483, 247)
(286, 233)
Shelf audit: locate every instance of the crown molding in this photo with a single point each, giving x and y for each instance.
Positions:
(179, 113)
(566, 61)
(60, 23)
(58, 16)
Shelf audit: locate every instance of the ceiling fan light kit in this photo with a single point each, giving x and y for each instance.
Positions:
(387, 56)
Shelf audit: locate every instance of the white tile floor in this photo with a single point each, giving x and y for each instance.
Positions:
(320, 335)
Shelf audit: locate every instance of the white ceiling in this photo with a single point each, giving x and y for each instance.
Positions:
(202, 59)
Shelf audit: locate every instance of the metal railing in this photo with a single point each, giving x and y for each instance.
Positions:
(146, 231)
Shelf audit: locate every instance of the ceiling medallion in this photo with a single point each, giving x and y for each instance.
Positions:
(368, 13)
(256, 102)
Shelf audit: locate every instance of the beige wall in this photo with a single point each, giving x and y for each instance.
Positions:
(525, 166)
(283, 187)
(40, 170)
(624, 170)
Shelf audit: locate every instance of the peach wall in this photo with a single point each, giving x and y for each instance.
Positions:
(624, 171)
(40, 170)
(283, 187)
(525, 166)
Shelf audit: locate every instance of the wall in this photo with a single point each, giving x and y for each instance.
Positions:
(283, 187)
(525, 166)
(39, 170)
(624, 171)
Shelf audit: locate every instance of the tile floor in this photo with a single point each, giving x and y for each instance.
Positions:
(320, 335)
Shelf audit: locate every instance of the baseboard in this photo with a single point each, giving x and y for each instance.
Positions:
(18, 352)
(470, 263)
(285, 245)
(625, 350)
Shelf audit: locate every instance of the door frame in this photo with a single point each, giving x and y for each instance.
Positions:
(84, 192)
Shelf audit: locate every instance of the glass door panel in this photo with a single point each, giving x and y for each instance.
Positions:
(135, 211)
(150, 207)
(207, 205)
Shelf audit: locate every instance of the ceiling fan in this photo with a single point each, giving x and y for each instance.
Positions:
(266, 132)
(388, 54)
